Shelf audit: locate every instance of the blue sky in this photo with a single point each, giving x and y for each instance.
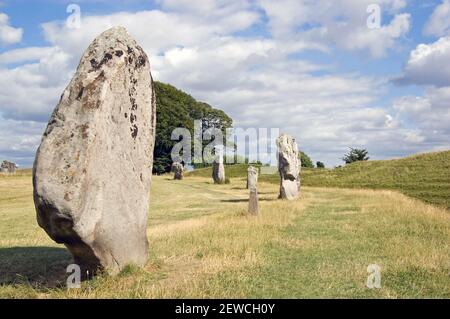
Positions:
(313, 69)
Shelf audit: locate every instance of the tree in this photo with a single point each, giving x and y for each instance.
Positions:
(355, 155)
(320, 165)
(306, 160)
(175, 109)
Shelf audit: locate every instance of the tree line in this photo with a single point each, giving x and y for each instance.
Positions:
(178, 109)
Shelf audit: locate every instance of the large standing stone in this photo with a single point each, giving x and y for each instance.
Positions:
(252, 180)
(289, 167)
(177, 170)
(92, 171)
(218, 173)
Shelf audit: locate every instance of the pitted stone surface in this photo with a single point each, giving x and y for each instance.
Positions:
(92, 171)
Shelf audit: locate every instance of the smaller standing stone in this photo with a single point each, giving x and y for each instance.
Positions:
(218, 173)
(8, 167)
(177, 169)
(251, 176)
(252, 180)
(289, 165)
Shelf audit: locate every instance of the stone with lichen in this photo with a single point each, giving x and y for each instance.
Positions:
(92, 171)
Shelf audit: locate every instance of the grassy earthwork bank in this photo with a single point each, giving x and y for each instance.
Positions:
(203, 246)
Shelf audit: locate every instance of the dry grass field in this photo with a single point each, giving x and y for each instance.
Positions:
(423, 176)
(203, 245)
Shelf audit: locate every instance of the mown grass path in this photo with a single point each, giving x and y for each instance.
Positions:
(203, 246)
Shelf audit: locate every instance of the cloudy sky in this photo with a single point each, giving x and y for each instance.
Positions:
(323, 70)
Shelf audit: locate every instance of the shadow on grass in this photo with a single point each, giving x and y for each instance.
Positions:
(245, 200)
(40, 267)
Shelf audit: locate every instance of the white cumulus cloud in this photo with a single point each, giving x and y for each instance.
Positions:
(439, 22)
(9, 34)
(198, 46)
(428, 64)
(338, 23)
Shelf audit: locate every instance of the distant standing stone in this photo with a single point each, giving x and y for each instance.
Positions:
(8, 167)
(218, 173)
(252, 179)
(289, 167)
(177, 169)
(92, 171)
(249, 175)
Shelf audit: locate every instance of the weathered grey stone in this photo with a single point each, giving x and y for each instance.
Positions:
(8, 167)
(248, 176)
(252, 179)
(253, 203)
(92, 171)
(218, 173)
(177, 169)
(289, 167)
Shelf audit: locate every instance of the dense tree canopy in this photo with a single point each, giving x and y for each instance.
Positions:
(178, 109)
(306, 160)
